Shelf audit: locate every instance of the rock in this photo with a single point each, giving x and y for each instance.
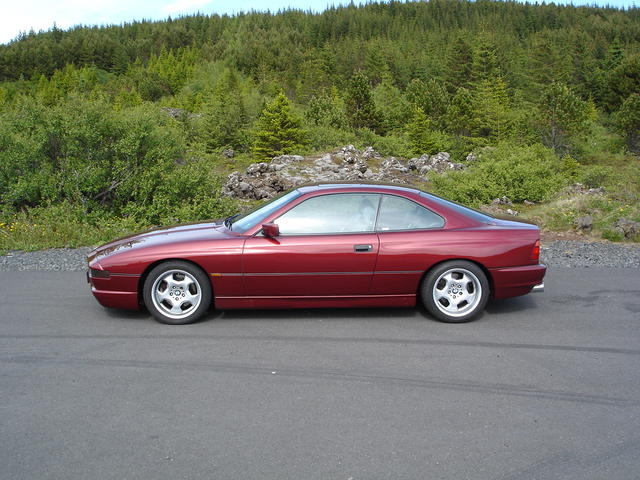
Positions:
(349, 154)
(580, 189)
(628, 228)
(392, 163)
(360, 166)
(257, 168)
(285, 159)
(527, 202)
(584, 223)
(439, 163)
(495, 210)
(440, 157)
(418, 163)
(369, 153)
(228, 153)
(267, 179)
(179, 113)
(472, 157)
(502, 201)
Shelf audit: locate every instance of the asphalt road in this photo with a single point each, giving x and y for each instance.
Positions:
(545, 386)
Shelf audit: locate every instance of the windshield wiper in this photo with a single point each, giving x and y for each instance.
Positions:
(229, 220)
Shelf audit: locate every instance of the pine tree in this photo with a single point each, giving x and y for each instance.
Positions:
(459, 65)
(120, 60)
(561, 114)
(225, 114)
(615, 55)
(327, 110)
(278, 131)
(628, 121)
(390, 103)
(361, 110)
(431, 97)
(492, 108)
(460, 119)
(622, 81)
(547, 63)
(423, 137)
(485, 62)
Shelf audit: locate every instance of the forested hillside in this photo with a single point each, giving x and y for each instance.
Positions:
(105, 129)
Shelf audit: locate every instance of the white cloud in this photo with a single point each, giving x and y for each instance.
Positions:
(38, 15)
(184, 6)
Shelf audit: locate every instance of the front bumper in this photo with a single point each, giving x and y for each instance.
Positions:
(116, 291)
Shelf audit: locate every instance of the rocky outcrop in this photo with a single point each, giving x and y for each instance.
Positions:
(496, 211)
(348, 164)
(629, 229)
(580, 189)
(440, 162)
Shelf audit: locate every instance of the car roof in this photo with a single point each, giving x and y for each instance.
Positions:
(356, 186)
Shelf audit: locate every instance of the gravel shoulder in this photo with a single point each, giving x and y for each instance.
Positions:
(558, 253)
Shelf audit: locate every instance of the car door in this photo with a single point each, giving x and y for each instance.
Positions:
(411, 239)
(327, 247)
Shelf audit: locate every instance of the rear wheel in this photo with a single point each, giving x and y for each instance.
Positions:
(455, 292)
(177, 293)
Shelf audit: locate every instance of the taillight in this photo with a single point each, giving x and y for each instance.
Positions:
(535, 252)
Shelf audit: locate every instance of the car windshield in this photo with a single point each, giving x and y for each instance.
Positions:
(469, 212)
(245, 221)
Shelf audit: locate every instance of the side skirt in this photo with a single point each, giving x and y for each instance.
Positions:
(230, 303)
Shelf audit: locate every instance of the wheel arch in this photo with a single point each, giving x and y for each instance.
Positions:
(153, 265)
(484, 269)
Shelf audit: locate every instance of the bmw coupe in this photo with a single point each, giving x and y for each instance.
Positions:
(324, 246)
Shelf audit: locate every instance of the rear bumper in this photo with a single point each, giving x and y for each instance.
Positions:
(515, 281)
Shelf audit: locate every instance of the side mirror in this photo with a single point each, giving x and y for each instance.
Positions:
(270, 230)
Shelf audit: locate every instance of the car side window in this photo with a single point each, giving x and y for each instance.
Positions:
(332, 213)
(397, 213)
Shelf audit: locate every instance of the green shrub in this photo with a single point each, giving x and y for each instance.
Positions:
(521, 173)
(392, 145)
(612, 235)
(127, 163)
(323, 138)
(596, 176)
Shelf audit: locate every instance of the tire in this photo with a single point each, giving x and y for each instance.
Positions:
(177, 293)
(455, 291)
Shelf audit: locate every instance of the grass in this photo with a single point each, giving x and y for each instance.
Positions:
(55, 227)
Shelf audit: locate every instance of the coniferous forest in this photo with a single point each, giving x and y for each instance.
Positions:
(547, 96)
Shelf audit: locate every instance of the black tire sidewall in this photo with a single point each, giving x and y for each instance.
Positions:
(198, 274)
(426, 290)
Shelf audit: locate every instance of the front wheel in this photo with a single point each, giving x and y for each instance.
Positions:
(455, 292)
(177, 293)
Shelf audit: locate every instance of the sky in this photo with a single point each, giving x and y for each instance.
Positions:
(22, 16)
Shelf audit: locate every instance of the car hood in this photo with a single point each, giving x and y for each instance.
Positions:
(164, 236)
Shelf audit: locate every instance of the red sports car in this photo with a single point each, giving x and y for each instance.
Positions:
(324, 246)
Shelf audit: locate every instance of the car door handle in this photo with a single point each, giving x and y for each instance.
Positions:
(362, 248)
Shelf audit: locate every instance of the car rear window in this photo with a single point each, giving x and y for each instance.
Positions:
(466, 211)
